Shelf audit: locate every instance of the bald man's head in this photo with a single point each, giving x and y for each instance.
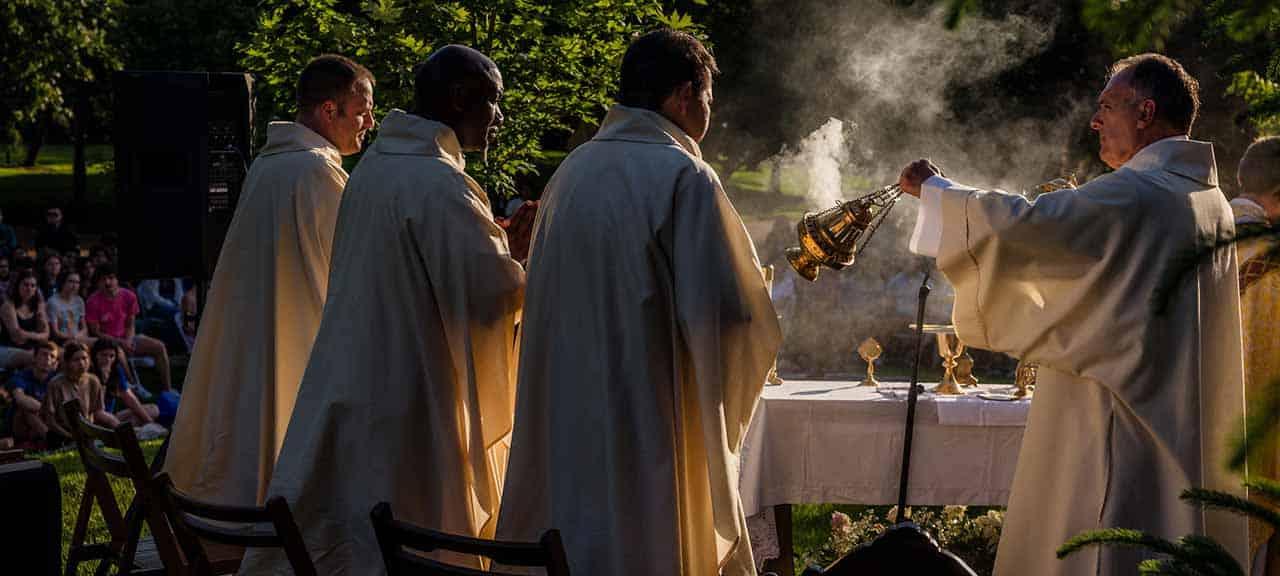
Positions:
(460, 87)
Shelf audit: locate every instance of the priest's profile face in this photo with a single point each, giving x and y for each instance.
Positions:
(354, 118)
(483, 116)
(1118, 120)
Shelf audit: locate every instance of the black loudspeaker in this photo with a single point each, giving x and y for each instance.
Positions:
(182, 148)
(31, 530)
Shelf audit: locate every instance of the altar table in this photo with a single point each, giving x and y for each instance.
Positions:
(835, 442)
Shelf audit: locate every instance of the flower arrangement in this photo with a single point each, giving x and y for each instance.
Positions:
(970, 534)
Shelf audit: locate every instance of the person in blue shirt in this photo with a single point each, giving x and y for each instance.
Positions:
(8, 239)
(28, 388)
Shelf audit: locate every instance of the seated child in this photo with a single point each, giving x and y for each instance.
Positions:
(29, 389)
(75, 382)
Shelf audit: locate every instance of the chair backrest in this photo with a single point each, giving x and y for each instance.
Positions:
(403, 546)
(195, 522)
(99, 466)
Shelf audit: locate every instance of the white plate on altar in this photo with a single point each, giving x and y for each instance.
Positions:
(997, 396)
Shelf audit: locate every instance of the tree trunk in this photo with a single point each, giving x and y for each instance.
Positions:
(33, 139)
(79, 117)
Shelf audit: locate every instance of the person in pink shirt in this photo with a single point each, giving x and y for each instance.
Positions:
(110, 312)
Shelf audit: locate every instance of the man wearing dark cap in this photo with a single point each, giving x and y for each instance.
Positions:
(268, 291)
(647, 336)
(408, 395)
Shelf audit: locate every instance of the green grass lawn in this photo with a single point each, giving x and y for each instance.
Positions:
(26, 192)
(71, 479)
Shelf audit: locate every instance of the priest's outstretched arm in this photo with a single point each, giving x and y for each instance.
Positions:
(1022, 270)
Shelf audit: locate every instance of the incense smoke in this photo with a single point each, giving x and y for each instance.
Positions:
(896, 71)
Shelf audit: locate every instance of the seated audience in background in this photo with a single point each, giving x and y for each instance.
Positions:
(4, 274)
(110, 313)
(161, 303)
(87, 271)
(8, 239)
(75, 382)
(23, 315)
(56, 234)
(50, 273)
(160, 298)
(29, 388)
(190, 316)
(65, 309)
(118, 380)
(103, 255)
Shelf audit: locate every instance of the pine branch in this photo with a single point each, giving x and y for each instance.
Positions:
(1166, 567)
(1266, 487)
(1118, 537)
(1210, 557)
(1263, 418)
(1223, 501)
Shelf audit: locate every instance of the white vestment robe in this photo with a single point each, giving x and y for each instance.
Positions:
(262, 314)
(1140, 380)
(409, 393)
(647, 336)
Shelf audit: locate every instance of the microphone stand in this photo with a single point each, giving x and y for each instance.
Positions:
(912, 395)
(903, 548)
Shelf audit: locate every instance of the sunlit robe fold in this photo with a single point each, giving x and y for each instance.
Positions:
(261, 318)
(409, 394)
(647, 336)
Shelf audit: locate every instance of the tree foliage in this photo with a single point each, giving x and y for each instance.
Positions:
(559, 59)
(1246, 33)
(49, 49)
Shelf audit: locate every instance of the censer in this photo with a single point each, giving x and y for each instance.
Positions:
(835, 236)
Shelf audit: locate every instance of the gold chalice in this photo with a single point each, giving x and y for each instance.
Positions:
(949, 348)
(870, 350)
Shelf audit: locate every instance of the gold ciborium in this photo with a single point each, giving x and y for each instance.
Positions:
(835, 236)
(870, 350)
(1067, 181)
(1024, 379)
(964, 371)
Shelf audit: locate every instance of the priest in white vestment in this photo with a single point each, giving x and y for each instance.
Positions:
(1257, 212)
(647, 336)
(268, 291)
(1140, 372)
(409, 393)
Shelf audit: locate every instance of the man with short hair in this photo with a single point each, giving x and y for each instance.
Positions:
(1257, 214)
(1122, 295)
(268, 291)
(28, 388)
(110, 313)
(409, 392)
(56, 234)
(647, 336)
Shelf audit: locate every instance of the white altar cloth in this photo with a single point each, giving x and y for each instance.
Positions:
(834, 442)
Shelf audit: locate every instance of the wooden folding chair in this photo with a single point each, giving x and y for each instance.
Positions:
(126, 551)
(404, 545)
(199, 525)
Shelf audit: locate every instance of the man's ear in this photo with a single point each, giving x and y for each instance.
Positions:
(458, 97)
(330, 109)
(687, 96)
(1147, 113)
